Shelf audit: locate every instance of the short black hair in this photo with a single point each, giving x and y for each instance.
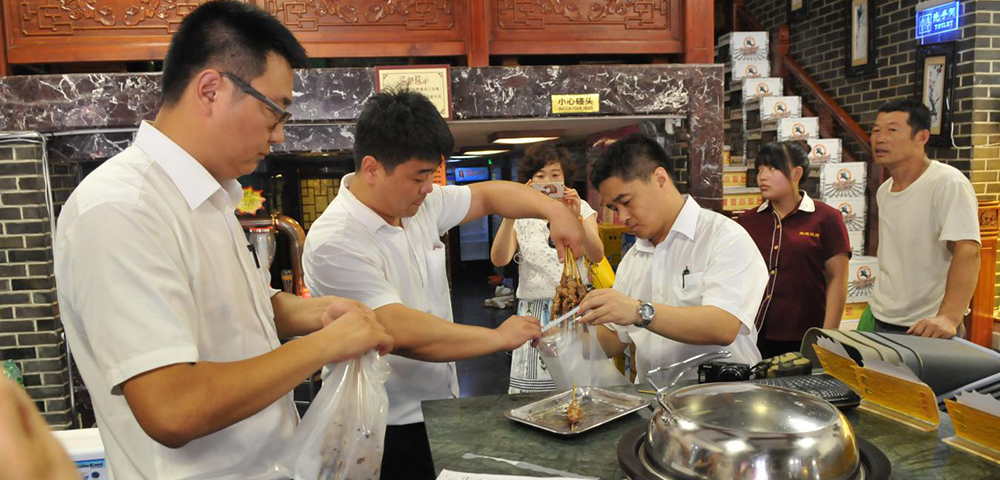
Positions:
(785, 156)
(537, 157)
(399, 125)
(232, 36)
(635, 156)
(920, 115)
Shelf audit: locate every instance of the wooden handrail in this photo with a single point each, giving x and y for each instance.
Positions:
(839, 115)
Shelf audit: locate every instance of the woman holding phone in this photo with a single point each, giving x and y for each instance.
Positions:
(526, 241)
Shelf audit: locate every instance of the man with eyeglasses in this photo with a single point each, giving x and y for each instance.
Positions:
(172, 323)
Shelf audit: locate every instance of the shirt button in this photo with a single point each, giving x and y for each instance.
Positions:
(774, 271)
(775, 247)
(778, 227)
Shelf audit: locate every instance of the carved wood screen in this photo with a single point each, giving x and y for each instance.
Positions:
(54, 31)
(585, 26)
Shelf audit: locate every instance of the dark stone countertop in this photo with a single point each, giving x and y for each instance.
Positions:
(477, 425)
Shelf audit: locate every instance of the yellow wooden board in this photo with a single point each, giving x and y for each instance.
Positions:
(976, 431)
(912, 404)
(838, 367)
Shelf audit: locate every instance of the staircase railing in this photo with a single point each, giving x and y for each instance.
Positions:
(830, 114)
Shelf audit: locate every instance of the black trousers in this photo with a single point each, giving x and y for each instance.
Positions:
(407, 453)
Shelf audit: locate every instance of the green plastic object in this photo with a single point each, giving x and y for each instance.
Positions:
(867, 322)
(11, 371)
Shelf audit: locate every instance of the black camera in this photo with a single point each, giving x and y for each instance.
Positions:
(714, 371)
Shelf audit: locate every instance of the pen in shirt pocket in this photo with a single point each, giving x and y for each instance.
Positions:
(684, 274)
(253, 253)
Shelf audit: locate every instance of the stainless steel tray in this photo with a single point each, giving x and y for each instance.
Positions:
(599, 407)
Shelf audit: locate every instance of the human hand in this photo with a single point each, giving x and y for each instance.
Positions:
(352, 334)
(565, 230)
(572, 200)
(940, 326)
(338, 306)
(517, 330)
(28, 450)
(607, 305)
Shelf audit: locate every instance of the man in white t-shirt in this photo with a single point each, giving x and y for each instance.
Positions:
(170, 317)
(928, 231)
(694, 279)
(379, 242)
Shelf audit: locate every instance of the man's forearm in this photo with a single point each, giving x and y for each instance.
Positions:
(295, 316)
(704, 325)
(205, 397)
(961, 284)
(422, 336)
(516, 200)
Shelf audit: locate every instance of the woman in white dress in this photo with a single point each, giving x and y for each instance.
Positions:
(539, 269)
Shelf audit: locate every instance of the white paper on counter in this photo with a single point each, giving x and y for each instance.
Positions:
(449, 475)
(901, 372)
(980, 401)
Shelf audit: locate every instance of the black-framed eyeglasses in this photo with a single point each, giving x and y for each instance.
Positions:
(283, 115)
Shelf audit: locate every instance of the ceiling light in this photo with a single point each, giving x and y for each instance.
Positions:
(477, 153)
(522, 137)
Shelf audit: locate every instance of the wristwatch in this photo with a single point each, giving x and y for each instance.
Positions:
(646, 313)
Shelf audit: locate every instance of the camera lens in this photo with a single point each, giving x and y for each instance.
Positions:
(730, 373)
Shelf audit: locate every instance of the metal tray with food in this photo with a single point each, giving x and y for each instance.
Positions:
(598, 406)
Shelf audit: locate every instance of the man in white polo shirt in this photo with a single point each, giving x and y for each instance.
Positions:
(379, 242)
(694, 279)
(171, 322)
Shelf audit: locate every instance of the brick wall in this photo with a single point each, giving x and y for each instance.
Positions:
(818, 44)
(30, 331)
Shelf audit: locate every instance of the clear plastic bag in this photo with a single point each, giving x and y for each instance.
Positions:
(573, 356)
(342, 434)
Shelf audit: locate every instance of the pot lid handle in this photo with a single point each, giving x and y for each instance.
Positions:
(677, 370)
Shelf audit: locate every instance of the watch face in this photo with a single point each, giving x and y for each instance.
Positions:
(646, 311)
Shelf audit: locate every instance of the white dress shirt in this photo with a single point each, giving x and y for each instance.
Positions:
(352, 252)
(154, 270)
(705, 260)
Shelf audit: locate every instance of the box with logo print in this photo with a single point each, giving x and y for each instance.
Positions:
(798, 128)
(750, 69)
(773, 108)
(762, 87)
(824, 150)
(853, 210)
(843, 180)
(745, 46)
(862, 272)
(857, 243)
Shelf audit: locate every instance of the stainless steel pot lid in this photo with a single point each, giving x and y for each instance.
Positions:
(750, 408)
(631, 458)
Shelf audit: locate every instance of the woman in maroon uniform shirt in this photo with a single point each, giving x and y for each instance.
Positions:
(805, 246)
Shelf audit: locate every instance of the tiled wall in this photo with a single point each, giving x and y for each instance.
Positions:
(30, 331)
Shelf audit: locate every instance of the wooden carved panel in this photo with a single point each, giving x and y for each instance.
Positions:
(52, 31)
(314, 15)
(47, 18)
(526, 27)
(537, 14)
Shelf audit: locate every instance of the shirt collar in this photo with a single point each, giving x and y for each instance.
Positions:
(361, 212)
(685, 224)
(190, 176)
(806, 205)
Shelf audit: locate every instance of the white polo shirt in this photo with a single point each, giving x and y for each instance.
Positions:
(352, 252)
(706, 259)
(153, 270)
